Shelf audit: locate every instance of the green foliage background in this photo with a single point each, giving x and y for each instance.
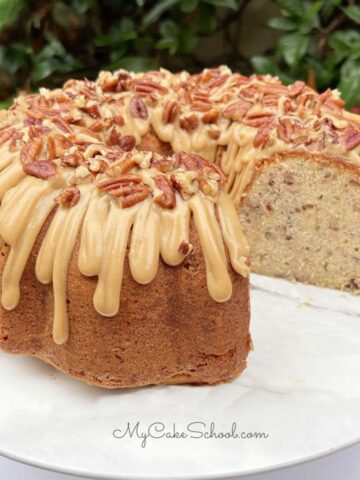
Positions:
(45, 42)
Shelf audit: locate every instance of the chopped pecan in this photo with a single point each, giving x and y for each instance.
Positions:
(6, 135)
(119, 120)
(127, 142)
(92, 110)
(258, 119)
(237, 110)
(215, 168)
(62, 125)
(185, 248)
(285, 129)
(134, 197)
(211, 116)
(263, 134)
(189, 123)
(121, 180)
(69, 197)
(201, 106)
(123, 167)
(204, 186)
(171, 111)
(138, 108)
(113, 137)
(31, 151)
(148, 86)
(97, 126)
(162, 163)
(214, 134)
(296, 88)
(167, 199)
(191, 161)
(43, 169)
(73, 159)
(351, 138)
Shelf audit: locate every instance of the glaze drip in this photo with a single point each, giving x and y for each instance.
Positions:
(110, 217)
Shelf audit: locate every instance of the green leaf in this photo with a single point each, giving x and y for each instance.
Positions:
(264, 65)
(188, 6)
(82, 6)
(349, 85)
(224, 3)
(323, 74)
(295, 7)
(187, 40)
(155, 13)
(15, 56)
(135, 64)
(344, 39)
(10, 11)
(170, 37)
(53, 58)
(207, 20)
(64, 16)
(119, 34)
(282, 23)
(353, 12)
(293, 47)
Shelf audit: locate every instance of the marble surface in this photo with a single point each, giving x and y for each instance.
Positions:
(301, 391)
(343, 464)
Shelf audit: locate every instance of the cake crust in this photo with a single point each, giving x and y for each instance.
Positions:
(167, 332)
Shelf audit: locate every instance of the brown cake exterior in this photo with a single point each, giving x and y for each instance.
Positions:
(169, 331)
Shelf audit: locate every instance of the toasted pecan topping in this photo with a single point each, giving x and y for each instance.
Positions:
(351, 138)
(185, 248)
(31, 151)
(69, 197)
(127, 142)
(211, 116)
(43, 169)
(167, 199)
(138, 108)
(189, 123)
(171, 111)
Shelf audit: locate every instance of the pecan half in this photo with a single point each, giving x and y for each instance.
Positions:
(148, 86)
(134, 197)
(185, 248)
(5, 136)
(114, 183)
(285, 129)
(164, 164)
(351, 138)
(69, 197)
(211, 116)
(189, 123)
(62, 124)
(171, 111)
(73, 159)
(92, 110)
(191, 161)
(31, 151)
(138, 108)
(263, 134)
(127, 142)
(167, 199)
(43, 169)
(237, 110)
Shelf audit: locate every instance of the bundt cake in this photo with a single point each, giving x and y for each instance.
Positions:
(168, 157)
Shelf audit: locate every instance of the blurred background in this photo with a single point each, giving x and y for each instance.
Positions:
(42, 43)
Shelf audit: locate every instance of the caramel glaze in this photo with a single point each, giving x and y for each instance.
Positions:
(107, 228)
